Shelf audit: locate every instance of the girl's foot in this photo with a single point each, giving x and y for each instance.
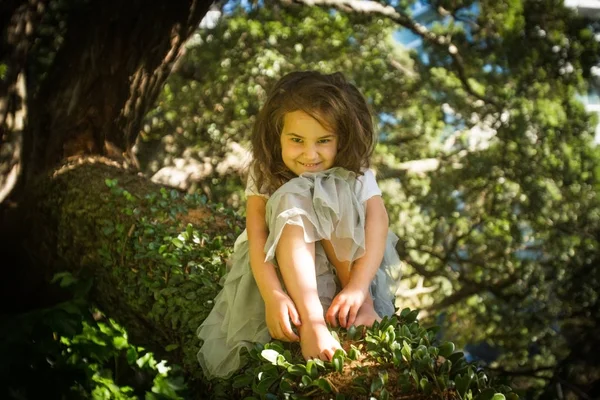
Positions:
(366, 315)
(317, 342)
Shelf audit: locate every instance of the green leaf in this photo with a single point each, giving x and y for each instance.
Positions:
(311, 368)
(120, 342)
(306, 380)
(65, 279)
(241, 381)
(281, 361)
(177, 243)
(338, 360)
(338, 364)
(462, 383)
(285, 386)
(323, 384)
(384, 394)
(172, 347)
(132, 355)
(412, 316)
(264, 385)
(297, 370)
(425, 385)
(376, 384)
(454, 357)
(270, 355)
(406, 351)
(446, 349)
(352, 332)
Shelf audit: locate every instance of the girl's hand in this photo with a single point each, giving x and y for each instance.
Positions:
(345, 306)
(279, 309)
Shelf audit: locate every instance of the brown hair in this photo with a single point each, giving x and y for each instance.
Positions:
(331, 100)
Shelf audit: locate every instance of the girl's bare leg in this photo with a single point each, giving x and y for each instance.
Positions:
(366, 314)
(296, 260)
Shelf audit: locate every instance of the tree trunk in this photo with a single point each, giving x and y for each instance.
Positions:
(151, 271)
(93, 80)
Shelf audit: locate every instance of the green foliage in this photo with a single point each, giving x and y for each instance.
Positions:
(505, 225)
(486, 157)
(393, 358)
(174, 262)
(73, 350)
(208, 108)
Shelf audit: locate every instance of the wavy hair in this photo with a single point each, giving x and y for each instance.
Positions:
(333, 102)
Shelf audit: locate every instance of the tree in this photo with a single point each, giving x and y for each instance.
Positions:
(78, 77)
(494, 225)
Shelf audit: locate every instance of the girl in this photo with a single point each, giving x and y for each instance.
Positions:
(316, 235)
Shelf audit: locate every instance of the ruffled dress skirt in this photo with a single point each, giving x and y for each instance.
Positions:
(326, 206)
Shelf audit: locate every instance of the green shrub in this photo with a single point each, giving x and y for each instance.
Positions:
(394, 358)
(72, 350)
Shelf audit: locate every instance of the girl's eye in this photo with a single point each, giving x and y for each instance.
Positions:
(296, 140)
(324, 140)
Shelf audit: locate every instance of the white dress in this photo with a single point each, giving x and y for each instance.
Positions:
(327, 205)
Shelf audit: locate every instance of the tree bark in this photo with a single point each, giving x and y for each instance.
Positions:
(111, 61)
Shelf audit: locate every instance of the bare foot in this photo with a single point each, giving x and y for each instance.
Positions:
(366, 315)
(316, 341)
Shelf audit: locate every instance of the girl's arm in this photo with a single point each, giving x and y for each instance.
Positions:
(376, 230)
(278, 306)
(356, 281)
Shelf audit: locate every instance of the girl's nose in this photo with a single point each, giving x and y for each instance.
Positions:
(310, 152)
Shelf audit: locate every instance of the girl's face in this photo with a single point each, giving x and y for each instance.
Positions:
(306, 145)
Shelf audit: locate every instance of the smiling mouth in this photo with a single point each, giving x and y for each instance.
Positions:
(309, 165)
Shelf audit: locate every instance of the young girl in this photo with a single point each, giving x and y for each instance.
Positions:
(316, 248)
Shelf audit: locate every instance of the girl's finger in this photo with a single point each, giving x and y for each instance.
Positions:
(343, 315)
(294, 316)
(288, 333)
(331, 314)
(352, 315)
